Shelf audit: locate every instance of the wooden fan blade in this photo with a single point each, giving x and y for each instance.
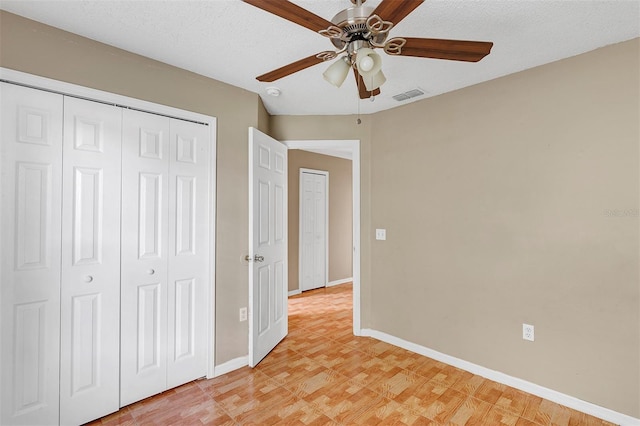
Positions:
(292, 12)
(290, 69)
(454, 50)
(396, 10)
(362, 90)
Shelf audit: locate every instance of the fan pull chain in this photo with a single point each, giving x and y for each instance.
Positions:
(358, 121)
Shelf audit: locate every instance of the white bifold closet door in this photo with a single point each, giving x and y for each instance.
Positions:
(90, 291)
(30, 175)
(164, 253)
(104, 256)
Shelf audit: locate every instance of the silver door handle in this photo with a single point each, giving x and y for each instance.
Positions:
(256, 258)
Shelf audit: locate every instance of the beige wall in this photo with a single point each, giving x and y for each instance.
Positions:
(42, 50)
(263, 118)
(340, 213)
(497, 202)
(495, 199)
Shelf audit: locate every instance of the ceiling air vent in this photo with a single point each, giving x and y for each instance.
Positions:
(408, 95)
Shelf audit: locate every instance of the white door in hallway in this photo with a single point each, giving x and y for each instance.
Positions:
(267, 244)
(313, 228)
(30, 241)
(90, 293)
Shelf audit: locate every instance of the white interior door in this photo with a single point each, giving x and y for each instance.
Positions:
(90, 293)
(31, 184)
(189, 251)
(145, 231)
(313, 228)
(165, 253)
(267, 244)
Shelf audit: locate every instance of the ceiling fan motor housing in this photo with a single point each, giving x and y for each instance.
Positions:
(353, 21)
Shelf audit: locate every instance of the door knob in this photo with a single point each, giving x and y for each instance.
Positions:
(258, 258)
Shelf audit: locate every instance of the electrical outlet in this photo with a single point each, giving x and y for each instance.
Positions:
(381, 234)
(528, 332)
(243, 314)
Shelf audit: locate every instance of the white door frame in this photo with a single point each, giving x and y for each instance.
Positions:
(326, 223)
(352, 146)
(74, 90)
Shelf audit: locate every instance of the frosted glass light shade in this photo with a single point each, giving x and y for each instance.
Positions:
(337, 72)
(375, 81)
(368, 62)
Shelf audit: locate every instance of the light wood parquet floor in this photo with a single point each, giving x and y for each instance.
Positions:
(321, 374)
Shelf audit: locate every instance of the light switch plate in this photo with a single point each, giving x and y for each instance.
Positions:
(381, 234)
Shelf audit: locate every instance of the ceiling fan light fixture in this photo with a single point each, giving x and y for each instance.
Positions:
(368, 62)
(337, 73)
(373, 82)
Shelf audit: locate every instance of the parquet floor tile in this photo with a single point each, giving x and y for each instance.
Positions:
(471, 413)
(321, 374)
(468, 383)
(385, 411)
(490, 391)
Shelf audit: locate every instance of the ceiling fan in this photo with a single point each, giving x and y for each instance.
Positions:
(356, 32)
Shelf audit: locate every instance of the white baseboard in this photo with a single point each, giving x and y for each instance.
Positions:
(338, 282)
(231, 365)
(514, 382)
(295, 292)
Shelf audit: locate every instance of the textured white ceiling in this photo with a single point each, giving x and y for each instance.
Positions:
(233, 42)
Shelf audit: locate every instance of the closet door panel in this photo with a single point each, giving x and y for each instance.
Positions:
(90, 340)
(189, 251)
(30, 240)
(145, 198)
